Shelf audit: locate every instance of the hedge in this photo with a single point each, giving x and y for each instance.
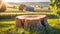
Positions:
(12, 16)
(52, 16)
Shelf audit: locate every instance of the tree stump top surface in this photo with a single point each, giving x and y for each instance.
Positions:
(31, 17)
(20, 17)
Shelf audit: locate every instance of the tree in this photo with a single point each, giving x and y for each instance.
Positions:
(52, 3)
(0, 1)
(3, 8)
(21, 7)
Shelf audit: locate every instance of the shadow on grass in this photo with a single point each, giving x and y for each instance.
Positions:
(52, 30)
(48, 30)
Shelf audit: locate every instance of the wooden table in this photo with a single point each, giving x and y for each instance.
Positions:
(31, 21)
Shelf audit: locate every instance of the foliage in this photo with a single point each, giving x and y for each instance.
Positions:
(11, 16)
(58, 12)
(21, 7)
(52, 16)
(58, 5)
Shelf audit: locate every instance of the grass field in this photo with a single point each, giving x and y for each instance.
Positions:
(7, 26)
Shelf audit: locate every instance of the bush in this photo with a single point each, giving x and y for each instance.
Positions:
(21, 7)
(3, 8)
(58, 12)
(50, 16)
(8, 16)
(58, 5)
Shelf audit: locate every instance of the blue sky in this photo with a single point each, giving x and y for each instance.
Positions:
(26, 0)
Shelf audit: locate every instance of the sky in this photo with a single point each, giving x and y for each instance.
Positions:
(26, 0)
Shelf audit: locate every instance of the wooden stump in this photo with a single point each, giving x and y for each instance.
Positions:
(20, 21)
(31, 21)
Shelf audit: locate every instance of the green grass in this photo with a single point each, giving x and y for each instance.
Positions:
(54, 23)
(8, 27)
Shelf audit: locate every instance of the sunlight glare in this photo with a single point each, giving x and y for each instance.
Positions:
(8, 0)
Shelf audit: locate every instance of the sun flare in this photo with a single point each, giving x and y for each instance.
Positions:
(7, 0)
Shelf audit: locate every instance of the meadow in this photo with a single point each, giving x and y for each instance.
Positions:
(7, 26)
(7, 22)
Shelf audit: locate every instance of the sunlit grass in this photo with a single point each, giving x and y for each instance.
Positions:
(7, 22)
(54, 23)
